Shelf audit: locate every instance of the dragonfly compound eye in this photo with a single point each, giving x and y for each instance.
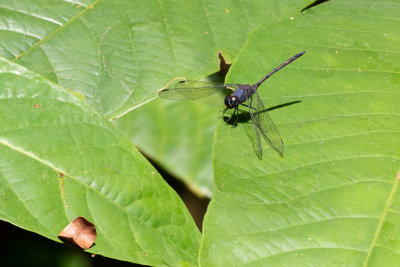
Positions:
(231, 101)
(228, 102)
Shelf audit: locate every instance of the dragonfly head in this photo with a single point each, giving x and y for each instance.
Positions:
(231, 101)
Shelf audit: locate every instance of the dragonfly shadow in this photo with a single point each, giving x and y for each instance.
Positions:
(244, 115)
(283, 105)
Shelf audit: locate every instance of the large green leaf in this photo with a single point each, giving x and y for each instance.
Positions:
(61, 159)
(332, 200)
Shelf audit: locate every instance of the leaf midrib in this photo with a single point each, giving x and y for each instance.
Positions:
(47, 37)
(381, 222)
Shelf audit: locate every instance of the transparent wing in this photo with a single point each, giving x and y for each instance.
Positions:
(204, 92)
(254, 137)
(263, 123)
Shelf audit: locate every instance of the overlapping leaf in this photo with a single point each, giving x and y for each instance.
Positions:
(60, 159)
(333, 199)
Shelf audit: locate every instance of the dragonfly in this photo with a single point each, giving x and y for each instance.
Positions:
(233, 96)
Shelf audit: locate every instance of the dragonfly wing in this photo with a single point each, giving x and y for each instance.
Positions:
(254, 137)
(204, 92)
(264, 124)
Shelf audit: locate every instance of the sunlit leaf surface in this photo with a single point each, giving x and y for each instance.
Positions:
(332, 200)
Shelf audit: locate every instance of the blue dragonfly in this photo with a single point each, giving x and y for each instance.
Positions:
(232, 96)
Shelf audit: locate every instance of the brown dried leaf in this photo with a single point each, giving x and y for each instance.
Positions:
(79, 232)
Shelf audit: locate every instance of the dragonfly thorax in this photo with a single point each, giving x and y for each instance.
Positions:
(232, 101)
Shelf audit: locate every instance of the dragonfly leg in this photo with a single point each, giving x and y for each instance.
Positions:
(228, 120)
(250, 107)
(234, 114)
(223, 112)
(237, 115)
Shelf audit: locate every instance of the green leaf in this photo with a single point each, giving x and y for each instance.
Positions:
(232, 21)
(333, 199)
(61, 159)
(117, 53)
(179, 136)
